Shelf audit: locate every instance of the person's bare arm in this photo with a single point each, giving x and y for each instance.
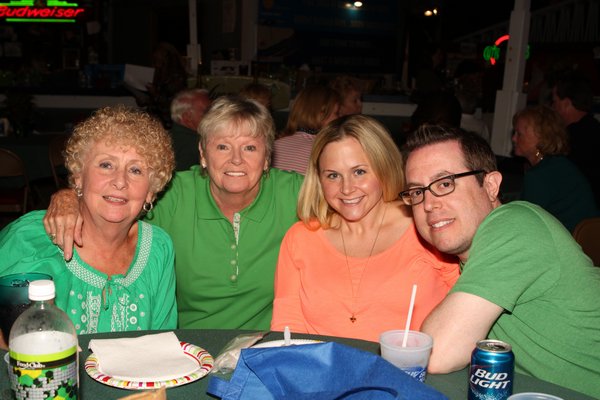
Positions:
(3, 344)
(456, 325)
(63, 221)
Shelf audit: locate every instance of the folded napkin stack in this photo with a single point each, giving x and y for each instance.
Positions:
(148, 358)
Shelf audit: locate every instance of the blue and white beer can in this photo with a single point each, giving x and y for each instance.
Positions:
(492, 371)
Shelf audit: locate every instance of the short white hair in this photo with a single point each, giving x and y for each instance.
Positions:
(183, 101)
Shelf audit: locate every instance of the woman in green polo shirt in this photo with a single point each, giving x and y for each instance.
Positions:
(226, 217)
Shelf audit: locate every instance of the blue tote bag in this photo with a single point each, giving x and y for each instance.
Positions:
(317, 371)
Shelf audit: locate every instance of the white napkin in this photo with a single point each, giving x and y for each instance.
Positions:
(146, 358)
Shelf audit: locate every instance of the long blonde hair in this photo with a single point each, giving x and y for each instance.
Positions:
(380, 149)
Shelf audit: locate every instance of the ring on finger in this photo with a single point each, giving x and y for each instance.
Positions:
(52, 237)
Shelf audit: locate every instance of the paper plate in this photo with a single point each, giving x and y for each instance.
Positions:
(533, 396)
(281, 343)
(202, 357)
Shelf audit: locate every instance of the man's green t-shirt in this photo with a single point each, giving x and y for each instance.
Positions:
(524, 260)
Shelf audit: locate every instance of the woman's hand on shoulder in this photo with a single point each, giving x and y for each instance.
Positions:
(63, 221)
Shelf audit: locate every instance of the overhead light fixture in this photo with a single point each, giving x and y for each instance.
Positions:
(355, 5)
(430, 13)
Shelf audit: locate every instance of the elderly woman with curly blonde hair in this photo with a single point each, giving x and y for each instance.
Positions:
(123, 279)
(552, 181)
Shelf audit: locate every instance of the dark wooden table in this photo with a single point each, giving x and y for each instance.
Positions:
(453, 385)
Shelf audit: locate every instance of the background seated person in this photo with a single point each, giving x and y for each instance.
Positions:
(524, 280)
(259, 92)
(314, 107)
(123, 279)
(187, 109)
(573, 99)
(347, 269)
(351, 91)
(438, 108)
(469, 121)
(553, 181)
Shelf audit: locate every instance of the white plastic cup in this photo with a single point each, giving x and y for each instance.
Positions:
(413, 358)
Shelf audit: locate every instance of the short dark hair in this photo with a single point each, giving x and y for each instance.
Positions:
(477, 152)
(577, 88)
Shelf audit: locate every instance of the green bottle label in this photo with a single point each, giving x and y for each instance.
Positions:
(44, 377)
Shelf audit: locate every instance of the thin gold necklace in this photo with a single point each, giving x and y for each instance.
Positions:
(354, 295)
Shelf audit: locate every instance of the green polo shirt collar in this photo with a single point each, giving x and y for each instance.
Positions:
(207, 207)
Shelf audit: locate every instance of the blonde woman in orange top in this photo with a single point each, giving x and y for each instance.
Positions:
(348, 267)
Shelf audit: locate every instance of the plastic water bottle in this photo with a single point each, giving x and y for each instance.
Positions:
(43, 349)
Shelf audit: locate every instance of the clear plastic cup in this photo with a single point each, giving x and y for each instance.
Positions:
(14, 298)
(413, 358)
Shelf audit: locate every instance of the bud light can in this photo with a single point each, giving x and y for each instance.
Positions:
(492, 370)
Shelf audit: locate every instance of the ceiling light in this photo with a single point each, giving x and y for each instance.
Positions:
(431, 12)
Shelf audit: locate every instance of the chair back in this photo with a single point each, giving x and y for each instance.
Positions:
(56, 148)
(14, 188)
(587, 234)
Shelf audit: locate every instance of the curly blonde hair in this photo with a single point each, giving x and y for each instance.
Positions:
(123, 126)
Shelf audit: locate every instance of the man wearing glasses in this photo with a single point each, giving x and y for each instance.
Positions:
(524, 280)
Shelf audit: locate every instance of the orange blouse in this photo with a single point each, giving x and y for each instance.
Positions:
(313, 292)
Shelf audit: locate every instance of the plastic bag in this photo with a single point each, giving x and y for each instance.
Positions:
(228, 357)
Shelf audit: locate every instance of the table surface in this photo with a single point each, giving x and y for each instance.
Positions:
(453, 385)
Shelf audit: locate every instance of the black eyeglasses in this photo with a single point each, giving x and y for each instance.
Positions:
(440, 187)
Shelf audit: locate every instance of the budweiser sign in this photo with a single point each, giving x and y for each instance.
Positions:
(34, 11)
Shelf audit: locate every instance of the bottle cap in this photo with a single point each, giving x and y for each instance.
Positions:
(41, 290)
